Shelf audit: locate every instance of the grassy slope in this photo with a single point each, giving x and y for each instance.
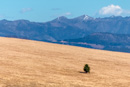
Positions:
(25, 63)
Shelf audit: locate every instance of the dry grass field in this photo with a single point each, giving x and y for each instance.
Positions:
(25, 63)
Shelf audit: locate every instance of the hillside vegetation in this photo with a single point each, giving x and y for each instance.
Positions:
(25, 63)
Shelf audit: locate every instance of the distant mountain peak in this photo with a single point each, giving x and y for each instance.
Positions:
(60, 19)
(84, 17)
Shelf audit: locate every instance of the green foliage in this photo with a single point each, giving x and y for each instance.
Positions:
(87, 68)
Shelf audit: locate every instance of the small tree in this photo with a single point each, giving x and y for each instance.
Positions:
(87, 68)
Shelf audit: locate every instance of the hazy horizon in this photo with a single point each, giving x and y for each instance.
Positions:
(63, 16)
(46, 10)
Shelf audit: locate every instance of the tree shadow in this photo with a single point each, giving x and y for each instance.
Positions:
(82, 72)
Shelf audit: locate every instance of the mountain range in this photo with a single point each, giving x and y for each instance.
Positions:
(109, 33)
(103, 41)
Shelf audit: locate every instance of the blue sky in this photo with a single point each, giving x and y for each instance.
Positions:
(46, 10)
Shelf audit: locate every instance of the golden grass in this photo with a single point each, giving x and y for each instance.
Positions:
(25, 63)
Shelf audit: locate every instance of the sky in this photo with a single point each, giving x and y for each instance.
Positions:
(47, 10)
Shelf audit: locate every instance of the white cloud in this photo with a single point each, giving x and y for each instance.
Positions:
(66, 14)
(26, 10)
(111, 10)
